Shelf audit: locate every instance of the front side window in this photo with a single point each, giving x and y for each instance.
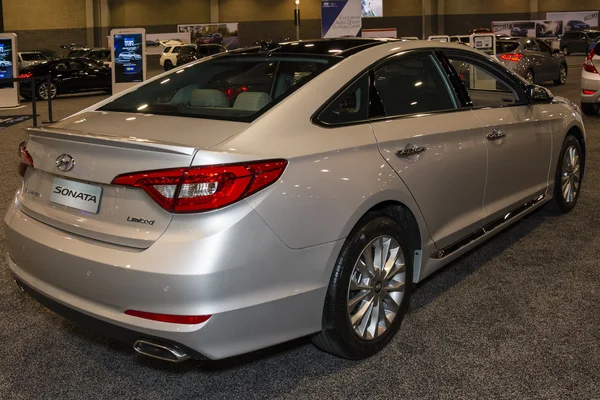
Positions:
(166, 50)
(531, 45)
(176, 50)
(485, 85)
(544, 48)
(413, 84)
(235, 88)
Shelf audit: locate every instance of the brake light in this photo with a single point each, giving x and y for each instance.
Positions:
(588, 92)
(515, 57)
(173, 319)
(198, 189)
(25, 159)
(26, 75)
(232, 92)
(588, 64)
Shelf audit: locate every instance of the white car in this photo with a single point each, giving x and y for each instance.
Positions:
(170, 42)
(590, 83)
(168, 59)
(5, 64)
(130, 56)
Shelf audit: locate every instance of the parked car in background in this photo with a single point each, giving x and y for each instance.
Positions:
(197, 218)
(168, 58)
(578, 42)
(533, 59)
(28, 58)
(192, 53)
(51, 54)
(574, 26)
(73, 46)
(69, 75)
(590, 82)
(170, 42)
(78, 52)
(152, 43)
(518, 30)
(465, 39)
(101, 55)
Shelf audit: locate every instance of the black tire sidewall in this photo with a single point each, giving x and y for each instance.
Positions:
(338, 318)
(590, 108)
(168, 65)
(39, 96)
(558, 195)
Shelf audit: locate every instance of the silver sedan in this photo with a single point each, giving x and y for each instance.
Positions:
(281, 191)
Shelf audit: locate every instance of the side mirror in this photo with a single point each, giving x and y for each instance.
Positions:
(538, 94)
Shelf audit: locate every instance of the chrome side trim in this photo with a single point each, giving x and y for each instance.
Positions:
(495, 224)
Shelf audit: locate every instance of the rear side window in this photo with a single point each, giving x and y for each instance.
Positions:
(234, 88)
(349, 107)
(413, 84)
(594, 35)
(166, 50)
(186, 50)
(176, 49)
(531, 45)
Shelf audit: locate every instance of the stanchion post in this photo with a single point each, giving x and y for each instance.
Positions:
(33, 104)
(49, 82)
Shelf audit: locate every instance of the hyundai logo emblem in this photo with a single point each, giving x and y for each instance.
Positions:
(65, 162)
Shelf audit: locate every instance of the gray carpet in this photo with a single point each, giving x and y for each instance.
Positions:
(517, 318)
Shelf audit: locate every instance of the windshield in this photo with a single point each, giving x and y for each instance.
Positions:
(594, 35)
(235, 88)
(506, 47)
(32, 56)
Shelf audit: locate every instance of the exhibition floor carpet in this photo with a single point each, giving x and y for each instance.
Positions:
(519, 317)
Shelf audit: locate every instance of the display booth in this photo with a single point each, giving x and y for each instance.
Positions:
(128, 58)
(9, 91)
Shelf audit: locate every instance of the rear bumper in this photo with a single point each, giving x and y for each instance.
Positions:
(590, 81)
(258, 291)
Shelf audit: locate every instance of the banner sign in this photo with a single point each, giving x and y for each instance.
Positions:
(380, 33)
(226, 35)
(340, 18)
(532, 28)
(157, 42)
(575, 21)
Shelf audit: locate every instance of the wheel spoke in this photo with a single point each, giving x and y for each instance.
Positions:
(395, 287)
(379, 256)
(363, 269)
(374, 320)
(354, 286)
(390, 261)
(368, 258)
(358, 317)
(396, 269)
(353, 302)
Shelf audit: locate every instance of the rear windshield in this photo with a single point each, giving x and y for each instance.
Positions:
(594, 35)
(76, 53)
(506, 47)
(33, 56)
(234, 88)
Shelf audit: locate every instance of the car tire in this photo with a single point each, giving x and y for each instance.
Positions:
(529, 76)
(590, 108)
(44, 87)
(565, 51)
(168, 65)
(339, 336)
(568, 176)
(562, 75)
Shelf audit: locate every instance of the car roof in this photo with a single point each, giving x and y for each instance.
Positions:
(337, 46)
(30, 52)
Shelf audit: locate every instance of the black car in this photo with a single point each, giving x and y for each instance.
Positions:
(191, 53)
(69, 75)
(578, 42)
(101, 54)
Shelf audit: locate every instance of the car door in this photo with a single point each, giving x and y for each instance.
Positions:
(78, 79)
(550, 61)
(582, 43)
(518, 136)
(534, 59)
(436, 148)
(98, 76)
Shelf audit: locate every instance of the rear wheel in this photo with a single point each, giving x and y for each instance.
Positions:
(529, 76)
(590, 108)
(369, 291)
(46, 89)
(562, 76)
(567, 181)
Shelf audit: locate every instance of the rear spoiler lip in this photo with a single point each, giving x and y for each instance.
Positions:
(101, 139)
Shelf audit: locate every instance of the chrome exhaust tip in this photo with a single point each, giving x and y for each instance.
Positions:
(161, 351)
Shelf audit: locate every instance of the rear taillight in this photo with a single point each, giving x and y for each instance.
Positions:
(588, 92)
(511, 57)
(197, 189)
(588, 64)
(26, 75)
(25, 159)
(172, 319)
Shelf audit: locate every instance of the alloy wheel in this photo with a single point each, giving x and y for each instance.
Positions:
(570, 174)
(46, 88)
(563, 75)
(377, 287)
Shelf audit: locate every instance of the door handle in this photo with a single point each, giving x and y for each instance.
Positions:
(410, 152)
(495, 135)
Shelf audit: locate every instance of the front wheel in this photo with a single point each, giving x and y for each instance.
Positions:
(569, 173)
(590, 108)
(369, 291)
(46, 89)
(562, 76)
(168, 65)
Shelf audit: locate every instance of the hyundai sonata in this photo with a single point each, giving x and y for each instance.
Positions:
(281, 191)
